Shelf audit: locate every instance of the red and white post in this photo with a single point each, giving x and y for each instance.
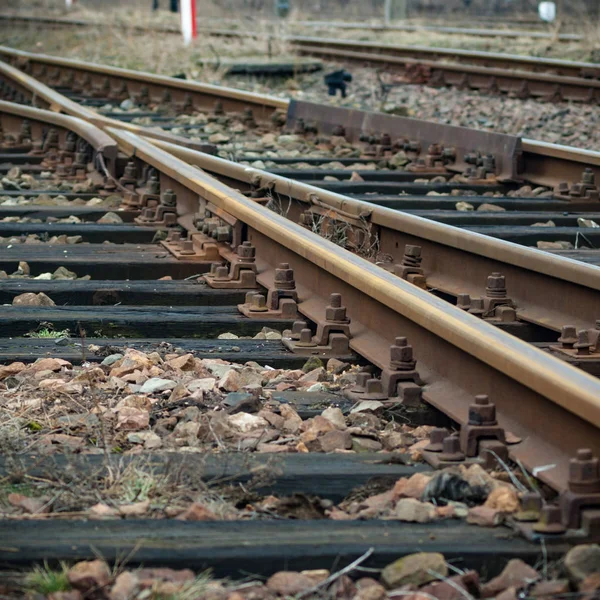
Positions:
(188, 20)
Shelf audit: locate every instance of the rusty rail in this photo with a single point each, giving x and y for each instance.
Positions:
(12, 115)
(553, 407)
(547, 409)
(54, 70)
(549, 291)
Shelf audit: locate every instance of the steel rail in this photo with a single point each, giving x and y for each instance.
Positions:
(51, 100)
(96, 138)
(204, 95)
(552, 406)
(544, 164)
(499, 60)
(549, 290)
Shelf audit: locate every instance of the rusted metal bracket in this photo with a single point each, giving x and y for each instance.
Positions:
(400, 382)
(584, 191)
(495, 305)
(161, 215)
(410, 267)
(147, 196)
(576, 516)
(481, 440)
(435, 161)
(332, 337)
(281, 301)
(582, 347)
(197, 247)
(241, 273)
(500, 155)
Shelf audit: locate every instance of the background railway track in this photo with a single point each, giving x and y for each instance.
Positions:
(527, 205)
(488, 72)
(460, 353)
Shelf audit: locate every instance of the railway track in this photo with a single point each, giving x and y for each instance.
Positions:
(480, 316)
(506, 208)
(546, 79)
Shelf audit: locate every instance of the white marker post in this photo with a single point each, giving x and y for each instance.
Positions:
(69, 3)
(188, 20)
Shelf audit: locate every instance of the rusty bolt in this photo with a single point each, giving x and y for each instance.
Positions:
(482, 411)
(249, 295)
(335, 312)
(435, 149)
(153, 184)
(588, 177)
(339, 131)
(436, 439)
(477, 307)
(412, 147)
(130, 171)
(361, 383)
(51, 140)
(401, 355)
(463, 301)
(187, 247)
(284, 277)
(412, 256)
(174, 237)
(584, 475)
(489, 163)
(246, 251)
(583, 343)
(451, 449)
(472, 158)
(531, 506)
(550, 520)
(449, 154)
(568, 336)
(297, 328)
(386, 140)
(259, 303)
(168, 198)
(222, 233)
(222, 273)
(305, 340)
(496, 286)
(374, 386)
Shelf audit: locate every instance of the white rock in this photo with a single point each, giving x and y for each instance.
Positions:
(246, 422)
(336, 416)
(157, 384)
(206, 384)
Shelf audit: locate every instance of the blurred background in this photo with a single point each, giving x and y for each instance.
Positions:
(495, 12)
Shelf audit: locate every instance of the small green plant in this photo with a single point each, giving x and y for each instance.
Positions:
(45, 580)
(48, 333)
